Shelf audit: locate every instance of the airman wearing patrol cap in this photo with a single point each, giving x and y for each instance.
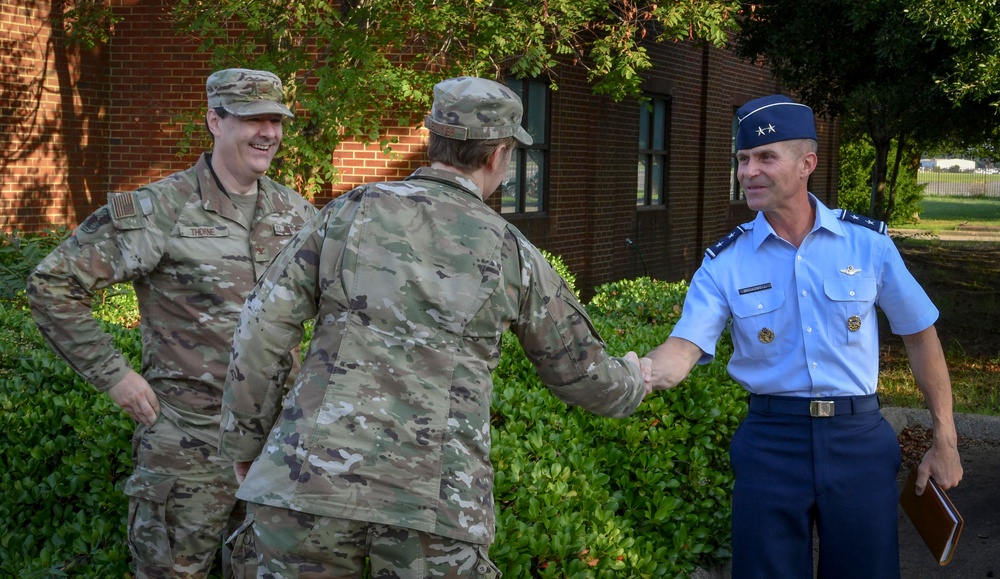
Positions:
(193, 245)
(246, 93)
(476, 108)
(381, 447)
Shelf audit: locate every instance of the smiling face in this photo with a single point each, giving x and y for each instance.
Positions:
(775, 175)
(244, 147)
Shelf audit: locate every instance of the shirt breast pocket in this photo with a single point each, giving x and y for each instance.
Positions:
(853, 309)
(759, 329)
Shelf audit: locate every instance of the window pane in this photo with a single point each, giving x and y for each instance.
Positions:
(640, 190)
(656, 183)
(735, 194)
(659, 124)
(515, 84)
(511, 186)
(643, 126)
(535, 111)
(534, 181)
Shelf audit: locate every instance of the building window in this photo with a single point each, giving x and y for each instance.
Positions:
(528, 176)
(735, 191)
(654, 154)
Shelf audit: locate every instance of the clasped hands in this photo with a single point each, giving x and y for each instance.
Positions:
(666, 365)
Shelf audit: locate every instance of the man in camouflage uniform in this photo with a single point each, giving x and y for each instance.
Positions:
(193, 245)
(378, 453)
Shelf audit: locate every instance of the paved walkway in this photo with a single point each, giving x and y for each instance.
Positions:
(978, 552)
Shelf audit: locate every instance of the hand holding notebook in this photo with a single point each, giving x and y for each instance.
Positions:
(934, 516)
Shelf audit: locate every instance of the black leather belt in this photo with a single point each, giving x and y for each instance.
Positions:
(815, 407)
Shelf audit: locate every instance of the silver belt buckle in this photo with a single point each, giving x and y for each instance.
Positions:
(821, 408)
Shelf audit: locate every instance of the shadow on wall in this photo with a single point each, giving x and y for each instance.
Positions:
(53, 130)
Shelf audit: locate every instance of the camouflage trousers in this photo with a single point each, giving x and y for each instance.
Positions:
(182, 503)
(277, 543)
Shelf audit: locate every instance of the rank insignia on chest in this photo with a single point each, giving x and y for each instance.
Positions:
(766, 336)
(283, 230)
(854, 323)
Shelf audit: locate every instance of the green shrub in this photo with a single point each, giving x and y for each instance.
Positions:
(66, 451)
(67, 448)
(19, 254)
(857, 157)
(577, 495)
(561, 268)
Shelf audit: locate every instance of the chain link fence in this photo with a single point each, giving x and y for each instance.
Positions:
(960, 184)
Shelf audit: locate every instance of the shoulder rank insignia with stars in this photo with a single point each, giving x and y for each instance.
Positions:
(851, 217)
(723, 243)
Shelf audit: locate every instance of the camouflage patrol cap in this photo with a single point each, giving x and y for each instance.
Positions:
(476, 108)
(246, 93)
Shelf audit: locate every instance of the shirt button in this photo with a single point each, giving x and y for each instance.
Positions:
(804, 293)
(814, 365)
(852, 294)
(760, 306)
(809, 330)
(481, 569)
(798, 257)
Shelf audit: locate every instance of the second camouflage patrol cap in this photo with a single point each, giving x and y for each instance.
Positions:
(476, 108)
(771, 119)
(246, 93)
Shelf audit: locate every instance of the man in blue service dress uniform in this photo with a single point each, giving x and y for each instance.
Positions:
(800, 284)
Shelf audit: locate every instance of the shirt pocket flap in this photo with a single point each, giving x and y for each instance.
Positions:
(757, 303)
(862, 289)
(149, 485)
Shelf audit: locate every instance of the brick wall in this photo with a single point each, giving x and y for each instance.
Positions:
(358, 163)
(53, 135)
(156, 83)
(77, 124)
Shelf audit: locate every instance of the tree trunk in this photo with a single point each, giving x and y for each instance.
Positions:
(894, 179)
(879, 170)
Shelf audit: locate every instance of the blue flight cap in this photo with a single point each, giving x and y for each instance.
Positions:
(771, 119)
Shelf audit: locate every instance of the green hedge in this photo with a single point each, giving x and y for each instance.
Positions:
(66, 451)
(577, 495)
(584, 496)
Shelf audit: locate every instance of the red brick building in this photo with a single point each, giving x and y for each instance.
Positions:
(75, 124)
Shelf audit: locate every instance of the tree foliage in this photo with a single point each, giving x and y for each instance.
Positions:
(354, 70)
(885, 66)
(972, 29)
(86, 23)
(857, 156)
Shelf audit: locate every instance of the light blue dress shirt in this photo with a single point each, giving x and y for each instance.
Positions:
(804, 321)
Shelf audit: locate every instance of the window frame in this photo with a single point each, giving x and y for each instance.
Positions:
(517, 175)
(735, 191)
(650, 154)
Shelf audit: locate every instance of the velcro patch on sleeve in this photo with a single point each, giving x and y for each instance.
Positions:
(122, 205)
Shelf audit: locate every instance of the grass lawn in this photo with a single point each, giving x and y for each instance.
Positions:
(951, 213)
(961, 278)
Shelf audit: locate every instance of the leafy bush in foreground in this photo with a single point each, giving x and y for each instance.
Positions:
(67, 450)
(577, 495)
